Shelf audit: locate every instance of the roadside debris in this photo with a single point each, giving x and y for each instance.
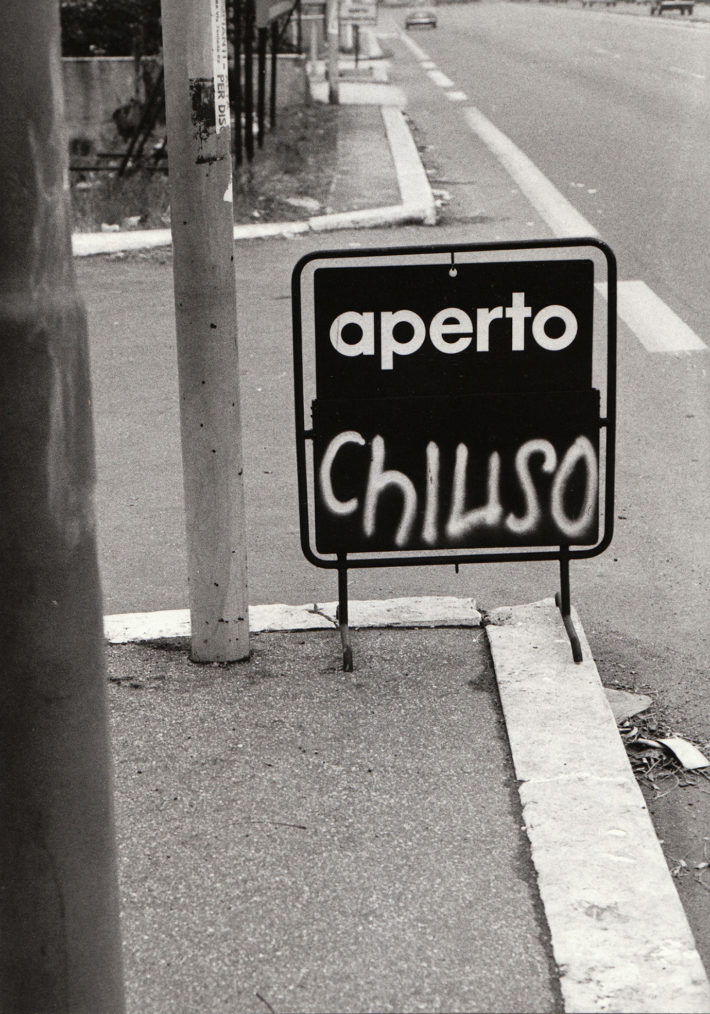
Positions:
(625, 705)
(680, 868)
(651, 754)
(655, 759)
(689, 756)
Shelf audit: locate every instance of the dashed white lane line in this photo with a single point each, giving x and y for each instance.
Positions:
(653, 322)
(456, 96)
(417, 50)
(563, 219)
(440, 79)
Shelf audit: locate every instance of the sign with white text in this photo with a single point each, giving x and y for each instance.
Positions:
(358, 12)
(461, 402)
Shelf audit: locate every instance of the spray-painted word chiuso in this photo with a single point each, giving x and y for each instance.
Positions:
(461, 403)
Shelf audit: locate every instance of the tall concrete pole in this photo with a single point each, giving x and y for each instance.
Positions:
(60, 946)
(199, 153)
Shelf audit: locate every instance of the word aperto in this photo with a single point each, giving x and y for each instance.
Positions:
(451, 330)
(438, 514)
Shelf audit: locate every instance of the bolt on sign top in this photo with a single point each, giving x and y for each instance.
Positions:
(455, 404)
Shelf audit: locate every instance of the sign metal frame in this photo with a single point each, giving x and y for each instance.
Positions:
(518, 253)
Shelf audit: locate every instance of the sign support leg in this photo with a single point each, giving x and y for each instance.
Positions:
(562, 601)
(343, 614)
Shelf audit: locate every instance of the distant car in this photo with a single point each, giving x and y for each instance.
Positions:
(420, 17)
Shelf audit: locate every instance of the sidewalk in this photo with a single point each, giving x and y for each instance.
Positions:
(423, 834)
(296, 838)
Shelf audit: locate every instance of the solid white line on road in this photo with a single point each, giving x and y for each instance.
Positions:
(456, 96)
(417, 50)
(653, 322)
(562, 218)
(439, 78)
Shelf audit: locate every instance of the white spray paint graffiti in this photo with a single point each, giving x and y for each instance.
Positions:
(463, 520)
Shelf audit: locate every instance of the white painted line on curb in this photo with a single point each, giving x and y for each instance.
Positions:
(653, 322)
(619, 933)
(563, 219)
(439, 78)
(427, 611)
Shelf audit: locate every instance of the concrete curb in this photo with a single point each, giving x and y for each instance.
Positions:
(619, 933)
(417, 205)
(428, 611)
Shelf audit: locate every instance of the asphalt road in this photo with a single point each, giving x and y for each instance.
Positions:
(644, 604)
(538, 71)
(613, 109)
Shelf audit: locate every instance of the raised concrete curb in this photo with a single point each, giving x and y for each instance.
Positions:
(417, 201)
(428, 611)
(619, 932)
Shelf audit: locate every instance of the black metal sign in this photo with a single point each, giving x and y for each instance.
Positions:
(461, 403)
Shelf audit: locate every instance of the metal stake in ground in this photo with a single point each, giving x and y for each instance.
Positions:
(61, 945)
(197, 106)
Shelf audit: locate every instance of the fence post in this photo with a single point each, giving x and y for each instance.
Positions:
(59, 911)
(333, 36)
(199, 142)
(262, 36)
(249, 19)
(274, 65)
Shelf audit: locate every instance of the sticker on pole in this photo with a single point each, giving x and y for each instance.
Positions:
(455, 403)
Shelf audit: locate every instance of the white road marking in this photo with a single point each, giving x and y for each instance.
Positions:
(606, 52)
(417, 50)
(687, 73)
(653, 322)
(440, 79)
(563, 219)
(656, 326)
(428, 64)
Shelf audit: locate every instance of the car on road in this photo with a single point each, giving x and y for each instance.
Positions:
(420, 17)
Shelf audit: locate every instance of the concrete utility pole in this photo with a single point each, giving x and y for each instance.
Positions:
(59, 912)
(199, 152)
